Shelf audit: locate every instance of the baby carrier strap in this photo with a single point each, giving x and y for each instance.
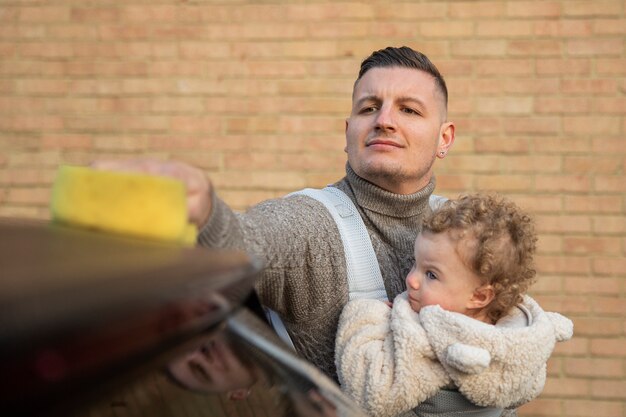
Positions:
(364, 277)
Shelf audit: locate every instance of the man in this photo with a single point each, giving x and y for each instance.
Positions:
(396, 130)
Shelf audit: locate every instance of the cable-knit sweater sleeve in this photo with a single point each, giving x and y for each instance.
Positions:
(304, 276)
(383, 358)
(296, 240)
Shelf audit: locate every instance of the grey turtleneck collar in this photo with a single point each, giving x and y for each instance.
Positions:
(373, 198)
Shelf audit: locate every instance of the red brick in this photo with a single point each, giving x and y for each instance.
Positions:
(502, 145)
(610, 26)
(585, 125)
(609, 105)
(331, 30)
(476, 9)
(596, 327)
(403, 10)
(610, 183)
(576, 346)
(589, 87)
(205, 160)
(609, 306)
(33, 196)
(497, 105)
(608, 347)
(537, 86)
(602, 47)
(9, 14)
(581, 8)
(95, 15)
(609, 224)
(557, 66)
(594, 286)
(542, 408)
(565, 304)
(394, 29)
(548, 164)
(44, 14)
(286, 180)
(477, 48)
(610, 266)
(20, 211)
(242, 200)
(546, 283)
(563, 28)
(27, 176)
(562, 105)
(609, 389)
(320, 180)
(151, 14)
(611, 66)
(562, 264)
(503, 29)
(70, 141)
(549, 244)
(594, 367)
(586, 408)
(563, 183)
(593, 204)
(566, 387)
(539, 203)
(514, 183)
(311, 161)
(539, 47)
(595, 245)
(536, 125)
(42, 87)
(459, 183)
(563, 223)
(533, 9)
(451, 30)
(594, 164)
(331, 11)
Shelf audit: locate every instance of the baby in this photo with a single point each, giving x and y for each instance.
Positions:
(464, 322)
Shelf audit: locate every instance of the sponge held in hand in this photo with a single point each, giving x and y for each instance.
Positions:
(132, 204)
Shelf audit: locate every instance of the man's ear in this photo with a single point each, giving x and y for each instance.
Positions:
(481, 297)
(446, 138)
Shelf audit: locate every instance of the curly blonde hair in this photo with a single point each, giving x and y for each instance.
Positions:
(503, 247)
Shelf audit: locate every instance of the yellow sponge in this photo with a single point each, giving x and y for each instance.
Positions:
(127, 203)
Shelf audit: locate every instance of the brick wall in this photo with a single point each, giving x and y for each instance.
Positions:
(256, 93)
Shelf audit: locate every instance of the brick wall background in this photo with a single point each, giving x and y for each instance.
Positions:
(256, 93)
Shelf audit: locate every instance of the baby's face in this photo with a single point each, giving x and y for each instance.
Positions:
(440, 275)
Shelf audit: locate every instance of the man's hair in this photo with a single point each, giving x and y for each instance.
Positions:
(407, 58)
(502, 241)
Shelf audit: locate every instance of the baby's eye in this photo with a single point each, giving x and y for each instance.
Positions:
(431, 275)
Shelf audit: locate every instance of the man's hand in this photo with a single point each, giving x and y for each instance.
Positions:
(197, 184)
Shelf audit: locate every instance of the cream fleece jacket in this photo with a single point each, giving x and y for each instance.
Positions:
(391, 359)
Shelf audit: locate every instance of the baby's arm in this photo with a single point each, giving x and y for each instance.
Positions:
(385, 371)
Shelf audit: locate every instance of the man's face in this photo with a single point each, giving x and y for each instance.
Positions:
(397, 128)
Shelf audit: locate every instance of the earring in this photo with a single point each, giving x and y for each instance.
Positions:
(442, 153)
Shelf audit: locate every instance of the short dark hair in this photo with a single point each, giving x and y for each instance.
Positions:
(407, 58)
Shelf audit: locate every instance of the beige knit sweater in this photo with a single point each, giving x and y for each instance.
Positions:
(305, 270)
